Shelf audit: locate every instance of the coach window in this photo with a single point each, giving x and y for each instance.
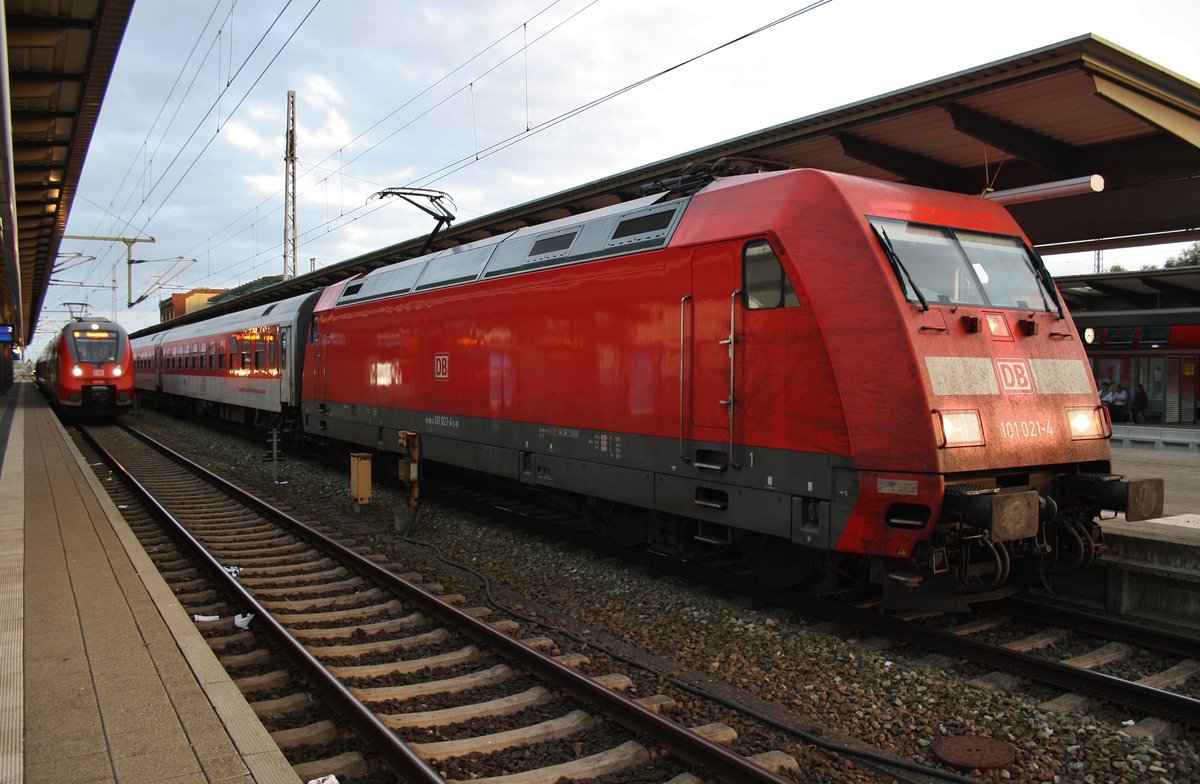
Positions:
(260, 355)
(765, 283)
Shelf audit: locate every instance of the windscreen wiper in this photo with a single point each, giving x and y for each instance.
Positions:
(898, 266)
(1046, 280)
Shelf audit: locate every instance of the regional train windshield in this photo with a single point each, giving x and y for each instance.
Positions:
(96, 346)
(936, 264)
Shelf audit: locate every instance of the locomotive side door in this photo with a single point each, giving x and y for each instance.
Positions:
(320, 377)
(716, 314)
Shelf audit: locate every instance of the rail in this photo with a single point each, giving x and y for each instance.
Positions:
(677, 739)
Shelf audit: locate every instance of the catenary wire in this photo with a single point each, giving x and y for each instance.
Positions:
(464, 162)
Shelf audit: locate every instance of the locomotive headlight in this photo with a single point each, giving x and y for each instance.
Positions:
(960, 428)
(76, 371)
(1088, 423)
(117, 371)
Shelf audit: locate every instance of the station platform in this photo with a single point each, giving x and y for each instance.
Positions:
(103, 676)
(1174, 438)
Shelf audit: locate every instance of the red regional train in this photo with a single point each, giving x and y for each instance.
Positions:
(87, 369)
(1163, 357)
(821, 369)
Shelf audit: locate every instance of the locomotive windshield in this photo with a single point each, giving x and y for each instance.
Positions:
(95, 346)
(959, 267)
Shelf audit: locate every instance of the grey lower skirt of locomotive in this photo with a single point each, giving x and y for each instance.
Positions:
(994, 541)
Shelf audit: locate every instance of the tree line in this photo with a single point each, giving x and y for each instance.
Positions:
(1188, 257)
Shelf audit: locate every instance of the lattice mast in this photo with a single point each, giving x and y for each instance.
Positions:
(289, 192)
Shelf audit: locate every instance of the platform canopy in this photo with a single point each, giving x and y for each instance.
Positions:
(58, 57)
(1155, 297)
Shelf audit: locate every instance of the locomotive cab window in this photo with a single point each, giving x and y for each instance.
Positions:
(764, 280)
(938, 264)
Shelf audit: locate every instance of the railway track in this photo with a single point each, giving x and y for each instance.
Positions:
(978, 633)
(1093, 642)
(430, 689)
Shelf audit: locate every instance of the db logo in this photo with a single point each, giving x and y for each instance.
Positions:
(441, 366)
(1014, 375)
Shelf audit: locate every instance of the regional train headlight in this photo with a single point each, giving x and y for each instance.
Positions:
(77, 371)
(117, 371)
(1088, 422)
(959, 428)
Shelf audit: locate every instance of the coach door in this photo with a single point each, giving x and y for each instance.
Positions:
(158, 367)
(712, 356)
(286, 381)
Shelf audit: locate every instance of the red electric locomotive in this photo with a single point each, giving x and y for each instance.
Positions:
(810, 366)
(87, 370)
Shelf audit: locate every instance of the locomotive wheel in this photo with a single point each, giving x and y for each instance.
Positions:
(777, 562)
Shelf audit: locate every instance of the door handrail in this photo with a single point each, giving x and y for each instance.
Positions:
(682, 376)
(732, 343)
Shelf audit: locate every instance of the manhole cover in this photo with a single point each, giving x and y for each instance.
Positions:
(974, 752)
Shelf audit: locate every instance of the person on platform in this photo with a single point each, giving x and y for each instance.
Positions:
(1139, 404)
(1119, 403)
(1106, 394)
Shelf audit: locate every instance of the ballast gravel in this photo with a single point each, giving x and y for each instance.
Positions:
(884, 697)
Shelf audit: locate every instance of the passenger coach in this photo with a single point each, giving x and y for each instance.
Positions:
(241, 367)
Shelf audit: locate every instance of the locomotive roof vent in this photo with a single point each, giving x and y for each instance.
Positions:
(449, 267)
(552, 247)
(638, 225)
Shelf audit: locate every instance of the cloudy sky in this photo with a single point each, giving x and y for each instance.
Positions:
(482, 99)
